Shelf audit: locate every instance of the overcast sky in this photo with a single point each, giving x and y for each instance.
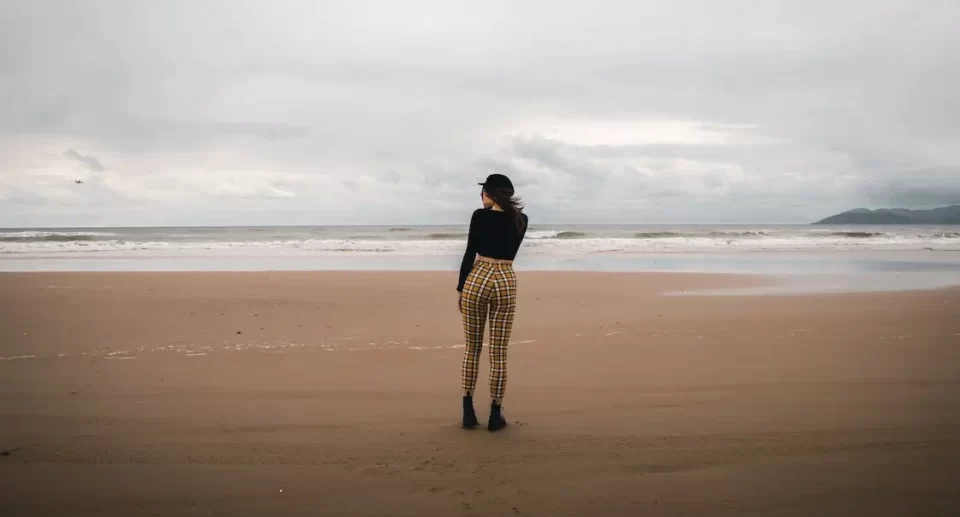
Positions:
(328, 112)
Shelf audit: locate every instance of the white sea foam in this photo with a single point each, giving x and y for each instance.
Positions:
(51, 236)
(436, 247)
(540, 244)
(542, 234)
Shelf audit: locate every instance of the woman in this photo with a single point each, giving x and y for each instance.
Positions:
(488, 288)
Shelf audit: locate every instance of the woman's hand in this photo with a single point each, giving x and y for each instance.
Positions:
(460, 302)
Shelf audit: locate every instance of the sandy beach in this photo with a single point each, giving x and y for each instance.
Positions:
(336, 393)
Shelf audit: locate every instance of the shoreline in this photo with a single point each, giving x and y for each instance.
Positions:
(903, 275)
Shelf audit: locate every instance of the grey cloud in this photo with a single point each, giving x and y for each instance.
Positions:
(547, 149)
(268, 131)
(89, 161)
(422, 99)
(916, 189)
(140, 133)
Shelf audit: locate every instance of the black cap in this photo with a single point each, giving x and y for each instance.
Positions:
(495, 181)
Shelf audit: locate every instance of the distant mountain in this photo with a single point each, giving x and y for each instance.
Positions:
(943, 215)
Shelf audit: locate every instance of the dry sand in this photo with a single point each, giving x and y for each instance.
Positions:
(338, 394)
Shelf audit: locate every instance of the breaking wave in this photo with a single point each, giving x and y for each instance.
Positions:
(41, 236)
(450, 239)
(857, 235)
(656, 235)
(570, 235)
(728, 235)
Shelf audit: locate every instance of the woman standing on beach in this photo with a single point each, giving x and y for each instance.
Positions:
(488, 287)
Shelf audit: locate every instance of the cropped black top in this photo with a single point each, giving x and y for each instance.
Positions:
(493, 234)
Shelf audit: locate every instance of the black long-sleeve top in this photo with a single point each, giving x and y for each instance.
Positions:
(493, 234)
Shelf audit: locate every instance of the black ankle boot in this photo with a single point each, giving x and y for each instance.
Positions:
(497, 421)
(469, 415)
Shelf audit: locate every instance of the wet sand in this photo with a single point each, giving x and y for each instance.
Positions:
(338, 394)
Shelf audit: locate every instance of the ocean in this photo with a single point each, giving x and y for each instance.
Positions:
(430, 240)
(929, 255)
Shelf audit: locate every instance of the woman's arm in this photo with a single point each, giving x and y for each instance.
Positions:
(470, 255)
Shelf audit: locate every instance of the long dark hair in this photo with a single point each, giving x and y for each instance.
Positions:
(510, 204)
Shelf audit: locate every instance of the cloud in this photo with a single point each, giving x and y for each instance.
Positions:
(337, 112)
(917, 189)
(90, 162)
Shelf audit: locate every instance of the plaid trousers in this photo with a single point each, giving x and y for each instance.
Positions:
(489, 290)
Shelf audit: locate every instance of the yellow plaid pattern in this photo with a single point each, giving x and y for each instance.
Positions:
(489, 291)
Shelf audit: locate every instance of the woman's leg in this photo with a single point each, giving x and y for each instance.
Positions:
(474, 302)
(503, 306)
